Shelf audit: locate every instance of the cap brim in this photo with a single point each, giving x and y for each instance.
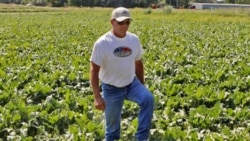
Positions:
(120, 19)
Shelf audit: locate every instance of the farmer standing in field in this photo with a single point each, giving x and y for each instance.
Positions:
(116, 62)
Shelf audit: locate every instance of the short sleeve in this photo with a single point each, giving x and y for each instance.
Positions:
(97, 54)
(140, 50)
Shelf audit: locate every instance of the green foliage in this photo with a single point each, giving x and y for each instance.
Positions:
(147, 11)
(196, 65)
(167, 9)
(39, 2)
(57, 3)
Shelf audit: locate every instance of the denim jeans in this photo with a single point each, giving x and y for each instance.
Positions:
(114, 98)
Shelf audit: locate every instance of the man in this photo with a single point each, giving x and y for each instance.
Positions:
(116, 62)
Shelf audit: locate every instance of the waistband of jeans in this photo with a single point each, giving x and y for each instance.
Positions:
(120, 87)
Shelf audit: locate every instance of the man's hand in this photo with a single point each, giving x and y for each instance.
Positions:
(99, 103)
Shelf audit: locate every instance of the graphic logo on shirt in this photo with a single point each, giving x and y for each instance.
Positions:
(122, 52)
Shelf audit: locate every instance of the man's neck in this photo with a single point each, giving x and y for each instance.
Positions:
(118, 35)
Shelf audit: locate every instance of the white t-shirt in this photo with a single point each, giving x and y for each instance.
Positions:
(116, 58)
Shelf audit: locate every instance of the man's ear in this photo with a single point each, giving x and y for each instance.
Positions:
(111, 21)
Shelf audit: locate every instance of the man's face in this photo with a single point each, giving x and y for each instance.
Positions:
(120, 28)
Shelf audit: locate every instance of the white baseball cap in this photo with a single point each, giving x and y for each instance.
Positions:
(120, 14)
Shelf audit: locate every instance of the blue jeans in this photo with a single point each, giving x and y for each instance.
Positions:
(114, 98)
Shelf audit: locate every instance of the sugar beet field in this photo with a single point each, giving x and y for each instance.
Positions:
(197, 65)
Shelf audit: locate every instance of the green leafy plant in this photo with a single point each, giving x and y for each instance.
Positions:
(196, 65)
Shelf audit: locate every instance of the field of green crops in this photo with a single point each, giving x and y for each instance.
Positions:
(197, 65)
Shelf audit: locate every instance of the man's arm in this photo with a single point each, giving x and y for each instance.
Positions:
(94, 81)
(139, 70)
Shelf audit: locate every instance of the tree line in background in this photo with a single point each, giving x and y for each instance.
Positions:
(116, 3)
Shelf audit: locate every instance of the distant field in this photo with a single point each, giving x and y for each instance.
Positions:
(196, 62)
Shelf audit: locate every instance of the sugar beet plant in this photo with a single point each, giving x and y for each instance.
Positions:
(196, 63)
